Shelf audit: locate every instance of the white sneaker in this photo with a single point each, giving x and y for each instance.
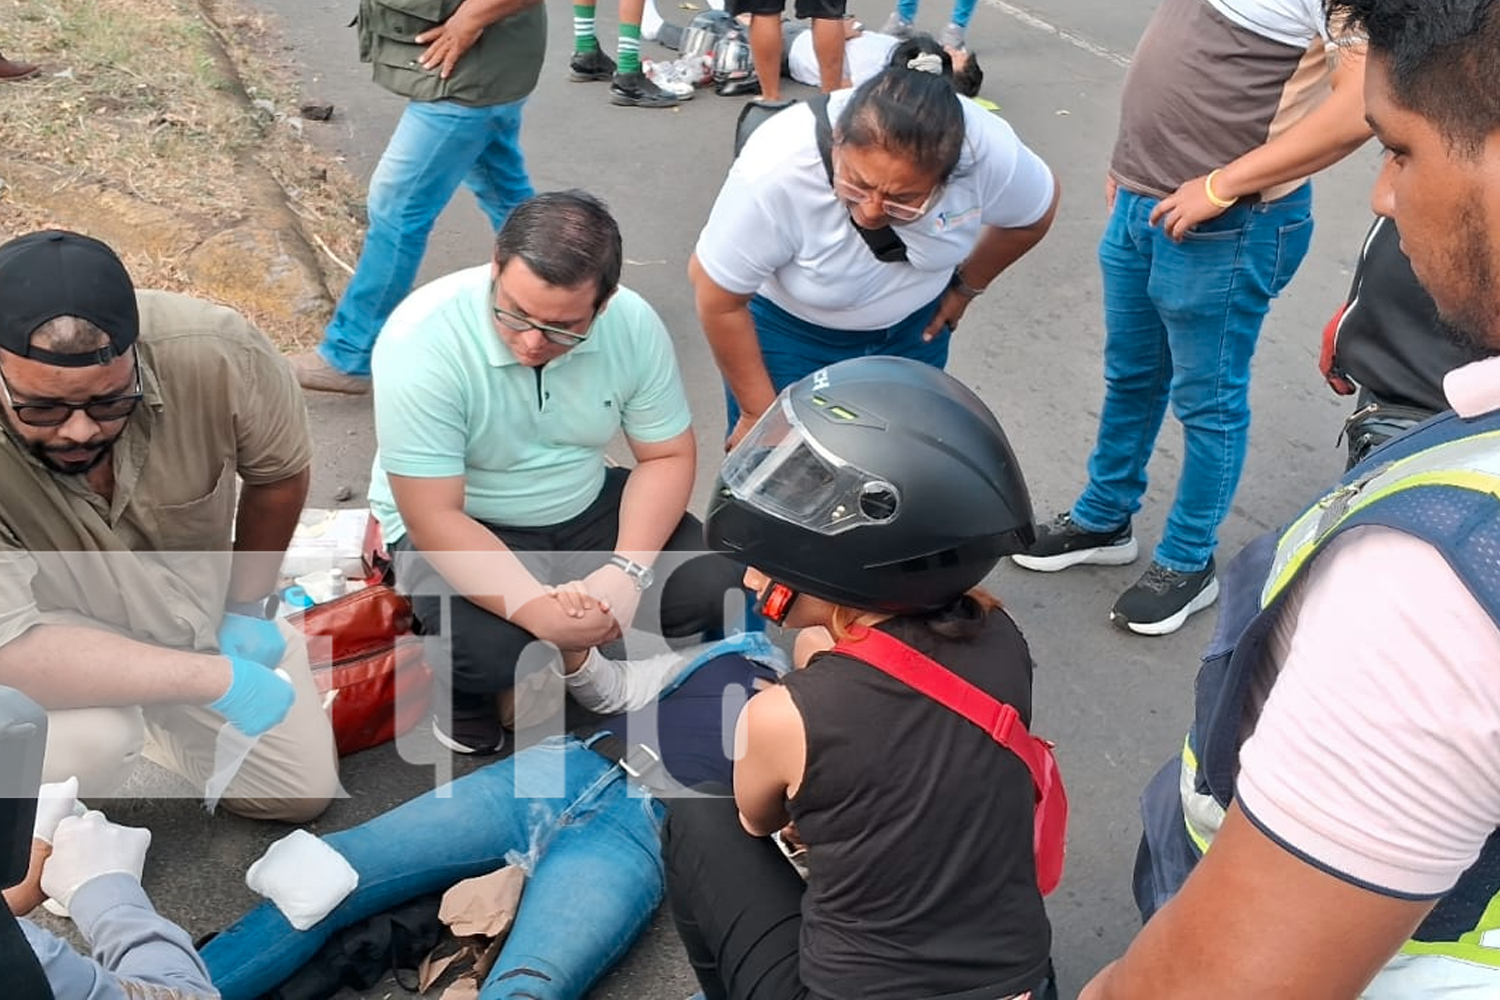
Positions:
(951, 37)
(897, 26)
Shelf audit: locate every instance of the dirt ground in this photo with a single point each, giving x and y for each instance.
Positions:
(171, 130)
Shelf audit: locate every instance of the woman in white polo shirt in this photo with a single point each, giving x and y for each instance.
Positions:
(786, 284)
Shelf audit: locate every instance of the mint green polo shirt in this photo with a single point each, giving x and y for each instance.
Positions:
(451, 400)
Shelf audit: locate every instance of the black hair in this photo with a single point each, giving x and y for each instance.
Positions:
(566, 238)
(1441, 56)
(920, 44)
(966, 80)
(910, 113)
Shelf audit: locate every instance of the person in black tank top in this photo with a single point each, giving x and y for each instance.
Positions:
(875, 494)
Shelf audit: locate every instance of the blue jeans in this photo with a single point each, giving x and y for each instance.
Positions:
(962, 11)
(436, 146)
(1181, 322)
(590, 839)
(793, 348)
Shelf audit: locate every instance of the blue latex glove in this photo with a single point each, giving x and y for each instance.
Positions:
(258, 697)
(249, 638)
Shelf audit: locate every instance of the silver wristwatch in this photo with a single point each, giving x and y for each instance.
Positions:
(641, 576)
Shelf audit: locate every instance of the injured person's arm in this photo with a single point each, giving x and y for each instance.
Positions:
(607, 686)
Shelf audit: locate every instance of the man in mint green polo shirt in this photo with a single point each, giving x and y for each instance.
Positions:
(497, 390)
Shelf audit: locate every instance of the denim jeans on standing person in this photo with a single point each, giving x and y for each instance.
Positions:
(1181, 322)
(590, 835)
(962, 11)
(793, 348)
(436, 146)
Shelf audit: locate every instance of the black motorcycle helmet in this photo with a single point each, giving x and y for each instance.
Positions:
(877, 483)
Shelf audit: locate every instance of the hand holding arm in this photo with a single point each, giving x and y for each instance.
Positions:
(483, 569)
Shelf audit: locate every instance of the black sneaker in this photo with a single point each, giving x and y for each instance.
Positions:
(474, 727)
(1162, 599)
(634, 90)
(1061, 543)
(587, 67)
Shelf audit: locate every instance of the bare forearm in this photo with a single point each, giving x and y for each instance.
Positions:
(730, 330)
(473, 561)
(1330, 132)
(263, 528)
(655, 498)
(731, 336)
(998, 249)
(28, 895)
(69, 666)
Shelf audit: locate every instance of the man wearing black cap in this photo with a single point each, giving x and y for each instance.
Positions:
(125, 609)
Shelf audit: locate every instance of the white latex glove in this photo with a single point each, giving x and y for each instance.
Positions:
(88, 846)
(54, 802)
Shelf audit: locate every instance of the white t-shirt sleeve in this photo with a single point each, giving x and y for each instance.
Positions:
(747, 236)
(1377, 754)
(1015, 185)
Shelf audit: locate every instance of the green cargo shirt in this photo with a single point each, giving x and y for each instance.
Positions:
(153, 564)
(503, 66)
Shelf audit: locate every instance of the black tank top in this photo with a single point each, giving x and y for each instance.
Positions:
(919, 829)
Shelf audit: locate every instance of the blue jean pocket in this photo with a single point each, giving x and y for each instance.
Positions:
(1292, 243)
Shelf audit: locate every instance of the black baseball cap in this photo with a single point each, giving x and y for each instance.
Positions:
(55, 273)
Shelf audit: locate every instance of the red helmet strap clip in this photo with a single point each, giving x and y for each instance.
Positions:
(777, 601)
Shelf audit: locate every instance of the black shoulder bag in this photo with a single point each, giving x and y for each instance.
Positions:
(883, 242)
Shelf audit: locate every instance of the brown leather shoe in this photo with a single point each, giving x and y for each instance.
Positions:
(16, 71)
(318, 375)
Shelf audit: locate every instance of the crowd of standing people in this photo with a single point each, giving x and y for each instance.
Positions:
(1328, 828)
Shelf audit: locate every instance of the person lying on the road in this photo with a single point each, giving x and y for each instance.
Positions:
(581, 820)
(868, 52)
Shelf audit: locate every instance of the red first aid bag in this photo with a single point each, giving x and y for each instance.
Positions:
(1001, 721)
(367, 665)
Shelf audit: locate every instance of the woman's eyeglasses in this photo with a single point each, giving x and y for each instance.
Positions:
(520, 324)
(855, 195)
(55, 413)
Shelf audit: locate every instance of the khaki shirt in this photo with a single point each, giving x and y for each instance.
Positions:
(153, 563)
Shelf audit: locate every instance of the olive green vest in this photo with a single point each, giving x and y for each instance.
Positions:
(503, 65)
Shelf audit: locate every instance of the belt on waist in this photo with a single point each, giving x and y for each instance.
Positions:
(639, 762)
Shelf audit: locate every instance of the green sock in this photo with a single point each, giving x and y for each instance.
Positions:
(583, 29)
(629, 56)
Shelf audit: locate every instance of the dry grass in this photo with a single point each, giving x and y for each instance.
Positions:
(138, 95)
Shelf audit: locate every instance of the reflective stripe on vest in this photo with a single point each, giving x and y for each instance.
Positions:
(1202, 813)
(1471, 463)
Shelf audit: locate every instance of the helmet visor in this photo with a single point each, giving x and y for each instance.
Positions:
(699, 42)
(780, 469)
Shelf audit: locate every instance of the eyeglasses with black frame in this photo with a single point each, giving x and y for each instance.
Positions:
(520, 324)
(55, 413)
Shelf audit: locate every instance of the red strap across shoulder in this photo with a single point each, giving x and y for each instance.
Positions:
(1001, 721)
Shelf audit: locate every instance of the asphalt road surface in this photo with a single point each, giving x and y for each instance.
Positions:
(1116, 704)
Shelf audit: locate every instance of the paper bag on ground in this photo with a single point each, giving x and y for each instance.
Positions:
(484, 906)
